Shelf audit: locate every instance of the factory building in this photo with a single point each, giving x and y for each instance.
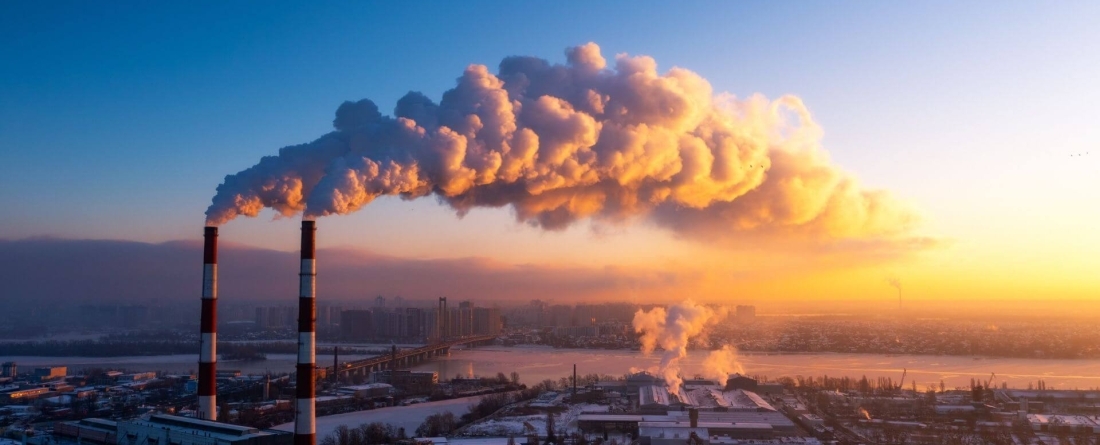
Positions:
(409, 382)
(15, 395)
(161, 429)
(96, 431)
(735, 425)
(47, 373)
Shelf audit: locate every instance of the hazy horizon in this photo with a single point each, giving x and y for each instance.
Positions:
(130, 272)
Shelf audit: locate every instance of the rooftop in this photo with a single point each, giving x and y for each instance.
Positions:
(224, 430)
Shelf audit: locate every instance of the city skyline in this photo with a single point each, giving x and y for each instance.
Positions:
(125, 137)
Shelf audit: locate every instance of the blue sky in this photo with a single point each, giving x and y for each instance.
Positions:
(118, 120)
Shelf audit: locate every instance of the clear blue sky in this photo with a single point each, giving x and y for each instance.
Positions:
(118, 120)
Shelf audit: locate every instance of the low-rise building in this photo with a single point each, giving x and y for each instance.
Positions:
(409, 382)
(161, 429)
(47, 373)
(98, 431)
(16, 396)
(367, 391)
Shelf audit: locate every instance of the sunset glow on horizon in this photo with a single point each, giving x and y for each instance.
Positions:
(774, 159)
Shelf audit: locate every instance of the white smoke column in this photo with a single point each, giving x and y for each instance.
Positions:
(561, 143)
(720, 363)
(671, 330)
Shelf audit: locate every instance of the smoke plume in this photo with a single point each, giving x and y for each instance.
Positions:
(561, 143)
(671, 330)
(720, 363)
(896, 284)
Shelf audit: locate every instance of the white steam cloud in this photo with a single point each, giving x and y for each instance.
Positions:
(671, 330)
(561, 143)
(720, 363)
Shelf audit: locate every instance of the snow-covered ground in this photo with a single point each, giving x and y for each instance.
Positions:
(513, 426)
(408, 417)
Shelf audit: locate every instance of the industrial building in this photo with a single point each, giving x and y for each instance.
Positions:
(96, 431)
(408, 382)
(712, 412)
(47, 373)
(21, 395)
(161, 429)
(736, 425)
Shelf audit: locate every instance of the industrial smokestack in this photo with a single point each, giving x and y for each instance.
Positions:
(208, 338)
(336, 365)
(574, 380)
(305, 419)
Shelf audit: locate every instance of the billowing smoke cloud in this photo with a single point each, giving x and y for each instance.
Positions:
(720, 363)
(561, 143)
(671, 330)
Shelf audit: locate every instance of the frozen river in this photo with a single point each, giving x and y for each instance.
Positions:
(407, 417)
(535, 364)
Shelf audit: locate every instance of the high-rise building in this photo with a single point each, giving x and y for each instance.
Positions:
(746, 313)
(357, 325)
(486, 321)
(10, 370)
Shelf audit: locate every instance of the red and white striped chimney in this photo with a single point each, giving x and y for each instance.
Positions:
(305, 419)
(208, 355)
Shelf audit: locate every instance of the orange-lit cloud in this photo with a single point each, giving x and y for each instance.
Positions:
(585, 140)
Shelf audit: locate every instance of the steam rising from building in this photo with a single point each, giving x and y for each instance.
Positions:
(671, 330)
(720, 363)
(561, 143)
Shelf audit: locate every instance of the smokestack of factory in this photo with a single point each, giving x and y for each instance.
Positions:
(305, 419)
(208, 355)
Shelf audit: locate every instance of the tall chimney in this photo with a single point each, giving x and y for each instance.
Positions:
(336, 364)
(305, 418)
(208, 338)
(574, 380)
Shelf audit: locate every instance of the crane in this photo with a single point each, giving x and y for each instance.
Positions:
(992, 378)
(902, 382)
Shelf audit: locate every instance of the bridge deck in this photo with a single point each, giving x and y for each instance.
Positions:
(401, 354)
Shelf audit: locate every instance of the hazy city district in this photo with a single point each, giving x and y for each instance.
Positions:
(392, 370)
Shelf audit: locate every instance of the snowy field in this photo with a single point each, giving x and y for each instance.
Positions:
(514, 426)
(408, 417)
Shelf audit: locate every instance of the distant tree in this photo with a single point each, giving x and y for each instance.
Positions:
(515, 378)
(440, 424)
(377, 432)
(550, 436)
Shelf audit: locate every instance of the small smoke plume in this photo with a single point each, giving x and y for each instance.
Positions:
(720, 363)
(895, 283)
(561, 143)
(671, 330)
